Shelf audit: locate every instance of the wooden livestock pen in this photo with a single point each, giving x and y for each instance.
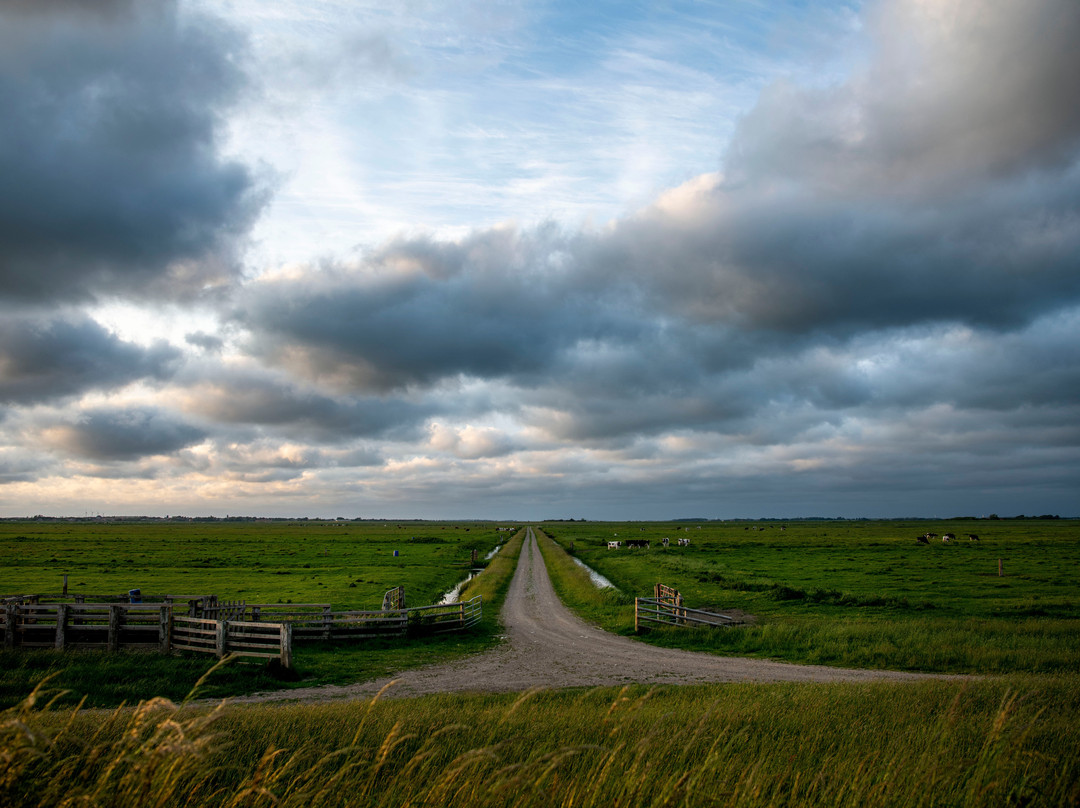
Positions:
(133, 626)
(206, 625)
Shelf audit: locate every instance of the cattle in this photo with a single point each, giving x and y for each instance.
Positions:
(665, 541)
(643, 543)
(972, 537)
(922, 540)
(948, 537)
(684, 542)
(614, 545)
(931, 536)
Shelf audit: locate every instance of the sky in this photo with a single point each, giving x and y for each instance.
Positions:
(525, 259)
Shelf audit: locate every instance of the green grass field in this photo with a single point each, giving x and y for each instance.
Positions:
(849, 593)
(347, 564)
(853, 593)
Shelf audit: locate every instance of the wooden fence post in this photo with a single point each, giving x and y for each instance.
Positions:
(637, 605)
(219, 637)
(1001, 571)
(12, 621)
(114, 628)
(65, 585)
(286, 645)
(61, 624)
(165, 629)
(326, 622)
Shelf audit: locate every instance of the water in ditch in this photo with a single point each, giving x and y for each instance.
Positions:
(599, 581)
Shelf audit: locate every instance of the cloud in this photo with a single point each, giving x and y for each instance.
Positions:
(417, 312)
(110, 153)
(44, 359)
(208, 342)
(873, 303)
(122, 434)
(960, 92)
(234, 397)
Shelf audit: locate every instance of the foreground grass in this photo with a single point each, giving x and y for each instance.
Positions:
(854, 594)
(982, 743)
(107, 680)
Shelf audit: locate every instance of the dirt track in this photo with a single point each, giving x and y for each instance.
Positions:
(547, 646)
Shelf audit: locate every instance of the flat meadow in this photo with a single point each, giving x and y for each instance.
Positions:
(1005, 733)
(850, 593)
(348, 564)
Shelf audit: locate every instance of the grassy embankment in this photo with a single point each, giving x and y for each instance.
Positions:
(886, 744)
(348, 565)
(859, 594)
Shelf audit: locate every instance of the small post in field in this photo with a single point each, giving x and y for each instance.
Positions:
(637, 605)
(65, 585)
(1001, 571)
(219, 637)
(11, 621)
(286, 645)
(164, 626)
(114, 628)
(61, 623)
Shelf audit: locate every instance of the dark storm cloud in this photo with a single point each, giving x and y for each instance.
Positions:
(112, 181)
(964, 91)
(418, 312)
(208, 342)
(845, 215)
(45, 359)
(123, 434)
(249, 399)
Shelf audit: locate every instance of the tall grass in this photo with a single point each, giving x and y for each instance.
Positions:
(990, 743)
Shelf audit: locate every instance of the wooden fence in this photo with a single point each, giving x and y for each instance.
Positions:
(256, 630)
(222, 637)
(86, 625)
(667, 608)
(131, 626)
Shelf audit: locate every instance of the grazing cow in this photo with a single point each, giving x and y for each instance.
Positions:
(614, 545)
(922, 540)
(931, 536)
(665, 541)
(972, 537)
(638, 543)
(684, 542)
(948, 537)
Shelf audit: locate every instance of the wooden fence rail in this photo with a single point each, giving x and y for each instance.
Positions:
(241, 638)
(650, 610)
(161, 626)
(666, 608)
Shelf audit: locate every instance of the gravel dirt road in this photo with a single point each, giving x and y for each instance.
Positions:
(546, 646)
